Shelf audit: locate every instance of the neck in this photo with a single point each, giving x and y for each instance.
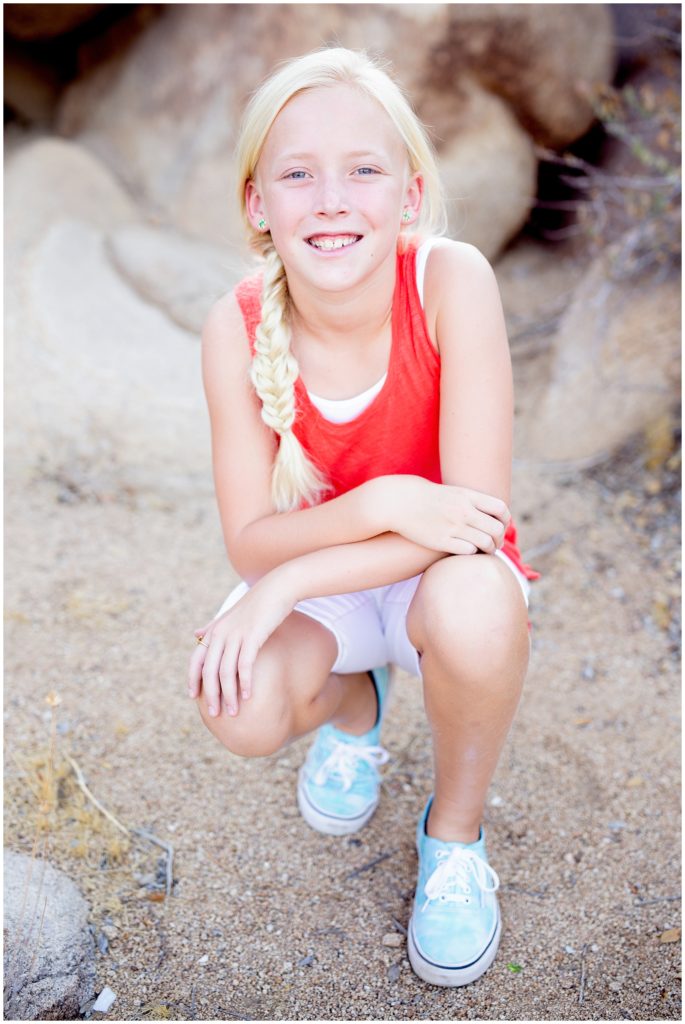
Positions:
(351, 315)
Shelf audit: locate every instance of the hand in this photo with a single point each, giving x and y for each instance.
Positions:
(443, 517)
(233, 640)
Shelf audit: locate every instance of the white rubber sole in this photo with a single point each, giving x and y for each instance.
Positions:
(327, 823)
(436, 974)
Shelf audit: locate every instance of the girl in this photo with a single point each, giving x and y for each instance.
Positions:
(360, 397)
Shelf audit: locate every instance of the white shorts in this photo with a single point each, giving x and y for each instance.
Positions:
(369, 625)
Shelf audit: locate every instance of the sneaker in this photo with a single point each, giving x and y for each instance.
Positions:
(455, 925)
(339, 783)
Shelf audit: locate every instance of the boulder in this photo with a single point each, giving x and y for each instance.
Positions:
(170, 137)
(488, 168)
(615, 361)
(533, 55)
(95, 374)
(45, 21)
(49, 954)
(180, 275)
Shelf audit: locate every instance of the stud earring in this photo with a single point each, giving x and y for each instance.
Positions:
(262, 224)
(406, 216)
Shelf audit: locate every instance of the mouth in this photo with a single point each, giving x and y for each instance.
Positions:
(332, 243)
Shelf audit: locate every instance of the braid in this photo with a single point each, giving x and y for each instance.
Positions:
(274, 372)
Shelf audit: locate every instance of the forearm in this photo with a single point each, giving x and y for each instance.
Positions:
(358, 515)
(358, 566)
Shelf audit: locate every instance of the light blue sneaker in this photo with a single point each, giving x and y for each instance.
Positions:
(339, 783)
(455, 925)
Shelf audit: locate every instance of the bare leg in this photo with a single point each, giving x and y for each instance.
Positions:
(294, 692)
(469, 621)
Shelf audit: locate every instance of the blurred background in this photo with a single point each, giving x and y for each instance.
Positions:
(558, 130)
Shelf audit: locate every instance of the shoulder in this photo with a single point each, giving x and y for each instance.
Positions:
(459, 284)
(451, 262)
(225, 345)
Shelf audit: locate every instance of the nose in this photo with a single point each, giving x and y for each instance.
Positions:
(332, 200)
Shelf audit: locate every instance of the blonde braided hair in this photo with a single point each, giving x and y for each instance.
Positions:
(274, 372)
(295, 479)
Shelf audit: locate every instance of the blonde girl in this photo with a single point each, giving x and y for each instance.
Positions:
(360, 396)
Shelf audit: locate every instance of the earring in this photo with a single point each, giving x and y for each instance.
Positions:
(262, 224)
(406, 216)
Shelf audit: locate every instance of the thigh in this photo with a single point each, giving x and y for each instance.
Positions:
(353, 619)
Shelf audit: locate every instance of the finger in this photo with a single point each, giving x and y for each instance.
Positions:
(228, 681)
(246, 660)
(488, 524)
(493, 507)
(195, 671)
(458, 546)
(481, 540)
(210, 675)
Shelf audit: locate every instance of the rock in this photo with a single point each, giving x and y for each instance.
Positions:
(614, 365)
(182, 276)
(45, 21)
(393, 940)
(49, 955)
(170, 138)
(114, 383)
(488, 168)
(532, 55)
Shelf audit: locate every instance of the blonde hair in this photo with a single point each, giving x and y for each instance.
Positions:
(295, 478)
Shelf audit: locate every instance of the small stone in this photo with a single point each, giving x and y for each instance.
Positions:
(615, 986)
(392, 939)
(496, 801)
(203, 959)
(394, 972)
(269, 927)
(104, 1001)
(110, 931)
(288, 966)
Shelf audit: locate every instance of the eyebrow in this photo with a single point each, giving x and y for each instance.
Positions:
(356, 154)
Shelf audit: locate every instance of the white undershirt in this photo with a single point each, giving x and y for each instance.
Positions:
(342, 410)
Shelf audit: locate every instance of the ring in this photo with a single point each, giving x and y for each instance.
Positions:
(200, 640)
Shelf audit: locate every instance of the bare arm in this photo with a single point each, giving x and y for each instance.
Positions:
(257, 538)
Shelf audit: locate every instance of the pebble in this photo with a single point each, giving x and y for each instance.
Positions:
(496, 801)
(392, 939)
(204, 959)
(103, 1001)
(110, 931)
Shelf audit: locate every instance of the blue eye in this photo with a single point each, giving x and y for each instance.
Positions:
(365, 171)
(296, 175)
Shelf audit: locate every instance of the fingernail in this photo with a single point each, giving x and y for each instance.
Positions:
(245, 694)
(232, 710)
(212, 710)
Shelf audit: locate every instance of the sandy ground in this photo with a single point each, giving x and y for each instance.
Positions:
(267, 918)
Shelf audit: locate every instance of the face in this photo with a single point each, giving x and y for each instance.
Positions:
(332, 184)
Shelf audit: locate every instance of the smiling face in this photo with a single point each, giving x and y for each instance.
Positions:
(332, 182)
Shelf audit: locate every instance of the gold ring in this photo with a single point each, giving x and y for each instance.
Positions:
(200, 640)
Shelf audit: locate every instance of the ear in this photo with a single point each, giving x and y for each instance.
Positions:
(254, 205)
(413, 198)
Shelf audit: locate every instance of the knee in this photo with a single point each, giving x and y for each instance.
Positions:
(263, 723)
(468, 604)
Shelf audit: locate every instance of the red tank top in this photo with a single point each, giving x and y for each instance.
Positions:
(399, 431)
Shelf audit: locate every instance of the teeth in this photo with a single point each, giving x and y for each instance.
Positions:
(333, 243)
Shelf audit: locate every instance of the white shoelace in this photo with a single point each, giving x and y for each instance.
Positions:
(452, 879)
(343, 760)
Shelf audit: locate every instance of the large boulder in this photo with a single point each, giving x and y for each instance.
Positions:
(488, 169)
(95, 372)
(49, 954)
(170, 137)
(615, 360)
(534, 55)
